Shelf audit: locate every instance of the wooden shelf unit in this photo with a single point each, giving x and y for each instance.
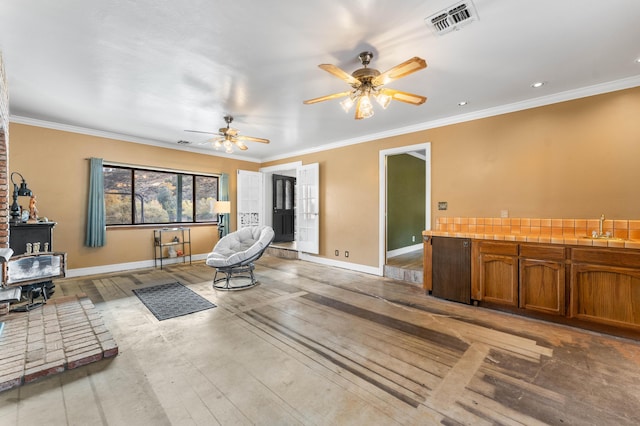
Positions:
(169, 237)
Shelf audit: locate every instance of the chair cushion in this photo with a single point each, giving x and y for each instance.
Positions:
(236, 247)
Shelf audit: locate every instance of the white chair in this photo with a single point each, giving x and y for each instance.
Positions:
(235, 253)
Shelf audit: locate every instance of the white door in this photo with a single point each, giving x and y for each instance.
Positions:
(308, 208)
(250, 204)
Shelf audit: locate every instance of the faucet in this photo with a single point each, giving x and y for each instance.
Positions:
(600, 225)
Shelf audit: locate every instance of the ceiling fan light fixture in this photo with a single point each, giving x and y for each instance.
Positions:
(228, 137)
(366, 82)
(364, 109)
(383, 100)
(347, 103)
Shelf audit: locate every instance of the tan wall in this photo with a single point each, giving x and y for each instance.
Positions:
(54, 164)
(574, 159)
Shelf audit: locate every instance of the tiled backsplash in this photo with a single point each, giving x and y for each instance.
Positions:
(568, 231)
(626, 229)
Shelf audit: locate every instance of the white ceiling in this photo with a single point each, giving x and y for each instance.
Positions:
(146, 70)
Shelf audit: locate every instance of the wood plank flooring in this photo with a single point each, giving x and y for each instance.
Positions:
(315, 345)
(411, 260)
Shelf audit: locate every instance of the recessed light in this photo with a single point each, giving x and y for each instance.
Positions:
(638, 61)
(462, 103)
(537, 84)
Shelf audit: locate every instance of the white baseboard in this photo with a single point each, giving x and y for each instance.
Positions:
(404, 250)
(340, 264)
(119, 267)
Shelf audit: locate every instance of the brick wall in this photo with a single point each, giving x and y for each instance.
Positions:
(4, 157)
(4, 166)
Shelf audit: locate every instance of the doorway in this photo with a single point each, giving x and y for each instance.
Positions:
(288, 170)
(283, 208)
(404, 242)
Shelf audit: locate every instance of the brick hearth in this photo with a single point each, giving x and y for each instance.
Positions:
(66, 333)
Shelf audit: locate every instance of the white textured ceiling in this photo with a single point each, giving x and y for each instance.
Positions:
(146, 70)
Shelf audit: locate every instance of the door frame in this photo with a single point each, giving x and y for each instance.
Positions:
(268, 196)
(382, 227)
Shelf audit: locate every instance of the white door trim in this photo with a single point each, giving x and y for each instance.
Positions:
(382, 226)
(288, 166)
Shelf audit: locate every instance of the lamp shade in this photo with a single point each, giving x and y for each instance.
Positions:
(222, 207)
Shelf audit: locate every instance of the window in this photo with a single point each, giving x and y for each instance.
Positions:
(137, 196)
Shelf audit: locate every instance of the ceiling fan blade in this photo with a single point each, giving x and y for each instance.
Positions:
(326, 98)
(208, 141)
(252, 139)
(199, 131)
(216, 141)
(401, 70)
(341, 74)
(241, 145)
(409, 98)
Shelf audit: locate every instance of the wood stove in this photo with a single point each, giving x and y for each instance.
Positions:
(33, 274)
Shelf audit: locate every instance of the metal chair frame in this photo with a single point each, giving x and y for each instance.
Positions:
(233, 271)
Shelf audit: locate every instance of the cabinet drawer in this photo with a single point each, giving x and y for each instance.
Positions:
(532, 251)
(494, 247)
(603, 256)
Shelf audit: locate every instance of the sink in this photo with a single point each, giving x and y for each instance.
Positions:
(603, 237)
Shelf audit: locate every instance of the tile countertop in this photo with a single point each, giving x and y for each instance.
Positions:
(566, 240)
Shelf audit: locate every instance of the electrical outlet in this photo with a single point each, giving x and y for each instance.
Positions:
(346, 253)
(413, 238)
(504, 213)
(337, 252)
(442, 205)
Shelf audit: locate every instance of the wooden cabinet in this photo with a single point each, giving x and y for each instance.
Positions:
(427, 253)
(542, 278)
(605, 286)
(590, 287)
(497, 272)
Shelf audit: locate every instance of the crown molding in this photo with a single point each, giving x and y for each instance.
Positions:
(597, 89)
(119, 136)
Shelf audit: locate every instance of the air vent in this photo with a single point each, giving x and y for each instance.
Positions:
(183, 142)
(452, 18)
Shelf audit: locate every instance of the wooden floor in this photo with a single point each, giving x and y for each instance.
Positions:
(411, 260)
(314, 345)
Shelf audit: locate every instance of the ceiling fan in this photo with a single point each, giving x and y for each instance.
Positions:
(228, 137)
(368, 82)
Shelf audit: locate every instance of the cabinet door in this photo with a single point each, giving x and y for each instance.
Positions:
(605, 294)
(542, 286)
(499, 279)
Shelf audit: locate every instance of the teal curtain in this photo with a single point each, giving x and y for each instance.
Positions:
(96, 220)
(224, 196)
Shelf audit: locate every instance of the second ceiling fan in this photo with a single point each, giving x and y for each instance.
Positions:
(228, 137)
(368, 82)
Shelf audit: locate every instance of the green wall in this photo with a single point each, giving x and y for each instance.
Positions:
(405, 200)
